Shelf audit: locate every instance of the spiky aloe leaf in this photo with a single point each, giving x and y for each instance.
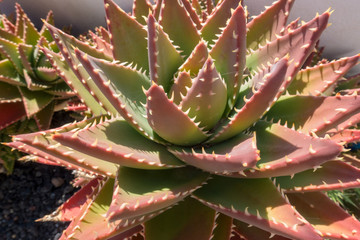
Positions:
(68, 75)
(196, 60)
(206, 98)
(115, 141)
(25, 55)
(182, 222)
(34, 101)
(263, 96)
(9, 49)
(334, 224)
(218, 20)
(321, 78)
(346, 136)
(192, 13)
(141, 9)
(126, 97)
(43, 118)
(175, 22)
(20, 15)
(281, 149)
(31, 35)
(155, 190)
(9, 93)
(44, 32)
(127, 36)
(236, 154)
(164, 59)
(9, 72)
(221, 194)
(222, 228)
(180, 87)
(42, 144)
(268, 25)
(250, 232)
(9, 35)
(229, 53)
(169, 121)
(67, 46)
(72, 207)
(314, 113)
(91, 214)
(303, 38)
(101, 44)
(331, 175)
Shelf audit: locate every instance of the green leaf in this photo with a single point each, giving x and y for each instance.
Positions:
(20, 15)
(31, 35)
(333, 175)
(164, 59)
(206, 98)
(116, 141)
(267, 25)
(9, 93)
(235, 154)
(34, 101)
(188, 220)
(297, 44)
(314, 113)
(321, 78)
(44, 32)
(74, 83)
(9, 49)
(10, 36)
(284, 151)
(179, 88)
(244, 199)
(138, 192)
(44, 116)
(196, 60)
(41, 144)
(128, 37)
(125, 94)
(229, 54)
(8, 71)
(26, 56)
(169, 121)
(263, 96)
(141, 10)
(175, 22)
(218, 20)
(223, 227)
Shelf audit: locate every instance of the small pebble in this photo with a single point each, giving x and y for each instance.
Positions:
(57, 182)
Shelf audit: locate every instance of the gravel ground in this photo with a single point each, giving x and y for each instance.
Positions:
(32, 191)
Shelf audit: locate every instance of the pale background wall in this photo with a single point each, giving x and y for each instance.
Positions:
(82, 15)
(341, 39)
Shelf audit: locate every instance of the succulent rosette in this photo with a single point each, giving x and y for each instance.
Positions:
(204, 123)
(29, 86)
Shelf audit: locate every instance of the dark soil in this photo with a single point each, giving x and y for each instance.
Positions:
(32, 191)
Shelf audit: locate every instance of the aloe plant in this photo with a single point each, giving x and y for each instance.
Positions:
(204, 124)
(29, 86)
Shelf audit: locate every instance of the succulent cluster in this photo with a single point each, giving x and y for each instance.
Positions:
(29, 86)
(204, 123)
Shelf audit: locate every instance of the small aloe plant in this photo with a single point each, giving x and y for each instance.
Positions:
(204, 124)
(29, 86)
